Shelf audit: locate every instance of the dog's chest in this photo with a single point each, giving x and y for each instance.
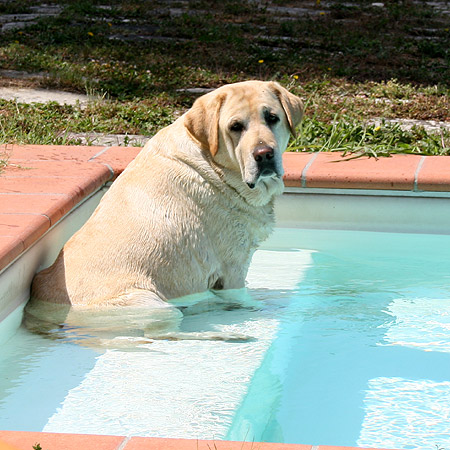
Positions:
(235, 235)
(237, 226)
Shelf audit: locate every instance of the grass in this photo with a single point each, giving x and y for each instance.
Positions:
(352, 137)
(349, 61)
(50, 123)
(3, 161)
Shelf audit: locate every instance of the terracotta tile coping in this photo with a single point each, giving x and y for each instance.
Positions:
(18, 440)
(400, 172)
(42, 183)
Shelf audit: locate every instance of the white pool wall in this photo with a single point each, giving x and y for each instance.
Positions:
(15, 279)
(365, 210)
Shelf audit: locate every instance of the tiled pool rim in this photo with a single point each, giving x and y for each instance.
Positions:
(18, 440)
(42, 184)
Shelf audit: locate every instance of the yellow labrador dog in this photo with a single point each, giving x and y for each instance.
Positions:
(188, 213)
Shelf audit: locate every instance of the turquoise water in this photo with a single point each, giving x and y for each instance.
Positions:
(362, 352)
(350, 346)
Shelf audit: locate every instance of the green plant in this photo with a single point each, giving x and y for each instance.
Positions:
(3, 161)
(356, 138)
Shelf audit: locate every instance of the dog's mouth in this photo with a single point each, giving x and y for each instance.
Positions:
(265, 175)
(263, 166)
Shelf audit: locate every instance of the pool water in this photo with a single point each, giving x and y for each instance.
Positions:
(350, 346)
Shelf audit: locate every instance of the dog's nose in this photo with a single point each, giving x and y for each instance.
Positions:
(263, 154)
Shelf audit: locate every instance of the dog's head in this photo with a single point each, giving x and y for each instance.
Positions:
(246, 127)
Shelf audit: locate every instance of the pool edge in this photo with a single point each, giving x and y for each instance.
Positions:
(18, 440)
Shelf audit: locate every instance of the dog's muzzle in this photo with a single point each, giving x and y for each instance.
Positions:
(265, 161)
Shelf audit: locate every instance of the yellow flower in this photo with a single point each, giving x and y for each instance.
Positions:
(377, 128)
(109, 24)
(321, 13)
(90, 33)
(261, 61)
(296, 77)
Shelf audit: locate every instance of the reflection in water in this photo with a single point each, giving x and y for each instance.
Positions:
(123, 327)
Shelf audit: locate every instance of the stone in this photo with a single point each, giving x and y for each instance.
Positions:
(25, 95)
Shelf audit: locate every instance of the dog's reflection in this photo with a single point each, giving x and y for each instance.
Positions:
(130, 327)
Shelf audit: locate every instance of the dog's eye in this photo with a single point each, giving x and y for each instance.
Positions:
(272, 119)
(237, 127)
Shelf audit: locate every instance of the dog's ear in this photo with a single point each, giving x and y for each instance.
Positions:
(292, 105)
(202, 121)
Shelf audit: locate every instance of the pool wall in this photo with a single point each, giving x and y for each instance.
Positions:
(48, 192)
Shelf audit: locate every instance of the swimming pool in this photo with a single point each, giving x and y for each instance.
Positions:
(351, 342)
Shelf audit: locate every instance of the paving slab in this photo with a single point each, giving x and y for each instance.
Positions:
(22, 75)
(25, 95)
(126, 140)
(433, 126)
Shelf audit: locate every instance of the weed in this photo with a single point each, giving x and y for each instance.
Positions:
(353, 137)
(3, 161)
(50, 123)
